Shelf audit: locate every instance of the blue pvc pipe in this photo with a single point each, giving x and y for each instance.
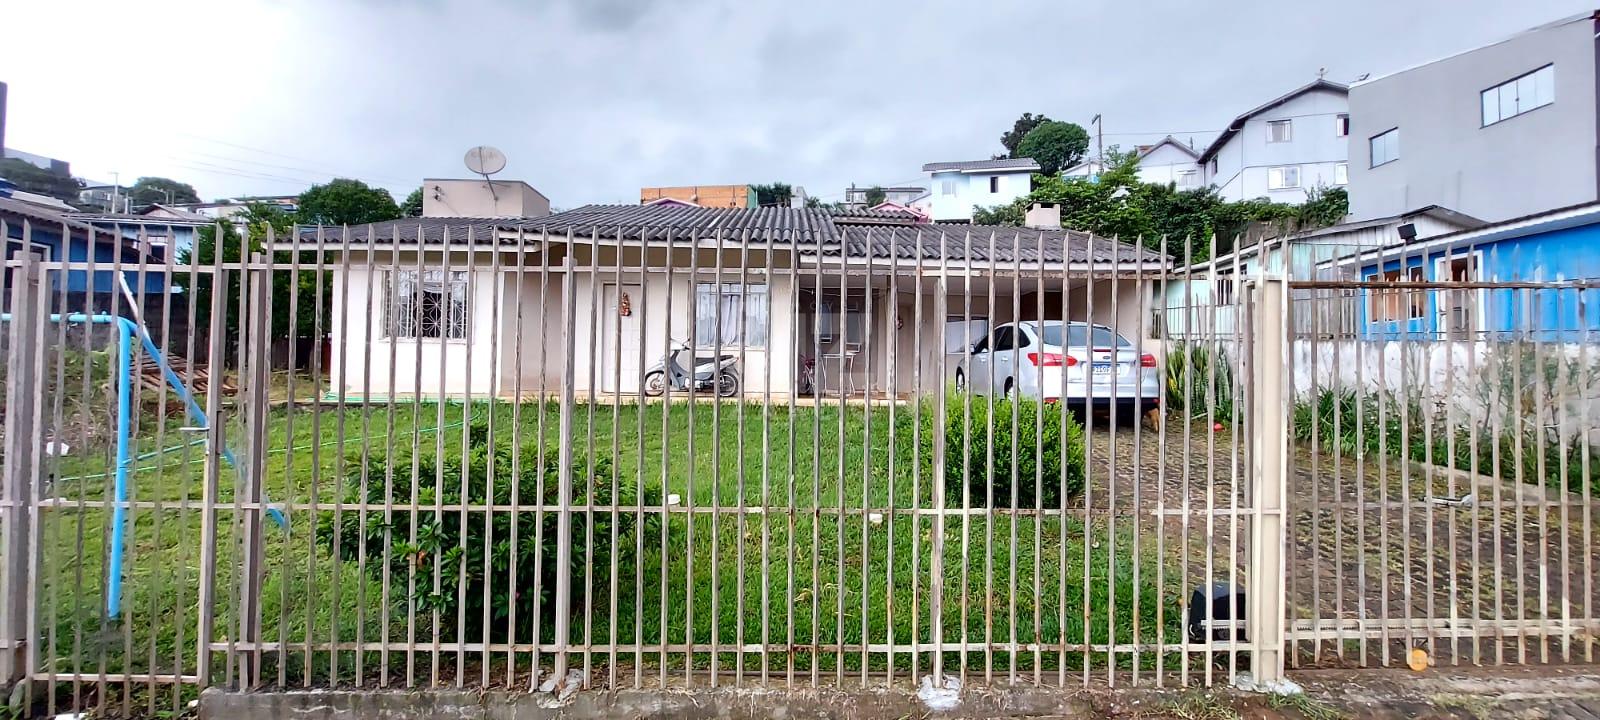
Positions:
(126, 329)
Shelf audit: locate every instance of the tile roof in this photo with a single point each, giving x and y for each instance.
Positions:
(860, 232)
(986, 243)
(972, 165)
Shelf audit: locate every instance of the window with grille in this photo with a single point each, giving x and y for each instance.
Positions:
(432, 304)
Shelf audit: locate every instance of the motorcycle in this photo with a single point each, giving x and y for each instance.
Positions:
(711, 374)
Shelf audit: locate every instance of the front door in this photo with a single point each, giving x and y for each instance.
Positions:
(620, 336)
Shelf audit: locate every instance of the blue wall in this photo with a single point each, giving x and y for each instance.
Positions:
(1567, 315)
(77, 250)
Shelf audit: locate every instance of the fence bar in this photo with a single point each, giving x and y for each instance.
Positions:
(19, 492)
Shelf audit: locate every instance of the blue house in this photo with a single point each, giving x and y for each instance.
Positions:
(54, 236)
(161, 229)
(1557, 247)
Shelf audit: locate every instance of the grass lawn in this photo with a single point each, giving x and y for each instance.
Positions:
(833, 554)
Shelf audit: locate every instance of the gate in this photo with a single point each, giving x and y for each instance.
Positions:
(936, 456)
(1443, 473)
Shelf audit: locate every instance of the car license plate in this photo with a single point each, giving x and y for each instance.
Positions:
(1102, 368)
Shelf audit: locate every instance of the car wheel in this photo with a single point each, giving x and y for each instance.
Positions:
(961, 382)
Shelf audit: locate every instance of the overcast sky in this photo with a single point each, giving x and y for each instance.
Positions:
(592, 99)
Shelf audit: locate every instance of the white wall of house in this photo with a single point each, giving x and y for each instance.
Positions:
(360, 362)
(955, 192)
(1243, 167)
(1167, 164)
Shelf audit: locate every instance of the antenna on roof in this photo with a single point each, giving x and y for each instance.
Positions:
(485, 160)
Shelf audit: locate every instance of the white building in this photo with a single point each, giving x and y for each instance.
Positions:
(958, 186)
(1283, 148)
(1170, 161)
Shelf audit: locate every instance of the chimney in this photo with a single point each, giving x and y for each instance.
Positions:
(1043, 216)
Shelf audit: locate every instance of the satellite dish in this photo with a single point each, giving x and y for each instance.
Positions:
(484, 160)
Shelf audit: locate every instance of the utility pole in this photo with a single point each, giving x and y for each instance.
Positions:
(116, 184)
(1099, 142)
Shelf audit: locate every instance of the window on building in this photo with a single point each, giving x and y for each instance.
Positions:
(1188, 178)
(1385, 147)
(430, 305)
(1224, 290)
(1213, 169)
(994, 183)
(1341, 124)
(1389, 304)
(1341, 174)
(1279, 131)
(960, 333)
(731, 314)
(947, 187)
(1519, 95)
(1283, 177)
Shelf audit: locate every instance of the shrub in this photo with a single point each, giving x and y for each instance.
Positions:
(456, 544)
(1035, 445)
(1198, 378)
(1407, 429)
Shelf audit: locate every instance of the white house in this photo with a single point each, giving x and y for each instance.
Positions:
(1283, 148)
(507, 307)
(958, 186)
(1171, 161)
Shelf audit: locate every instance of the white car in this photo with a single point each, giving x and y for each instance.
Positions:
(1077, 363)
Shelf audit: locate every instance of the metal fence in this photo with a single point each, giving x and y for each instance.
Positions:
(493, 459)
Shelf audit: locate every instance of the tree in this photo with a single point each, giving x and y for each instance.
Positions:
(1055, 145)
(1019, 130)
(412, 207)
(34, 179)
(1118, 205)
(152, 190)
(346, 202)
(773, 194)
(876, 196)
(258, 219)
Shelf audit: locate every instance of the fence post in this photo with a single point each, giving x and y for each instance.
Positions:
(21, 469)
(1265, 609)
(253, 395)
(563, 598)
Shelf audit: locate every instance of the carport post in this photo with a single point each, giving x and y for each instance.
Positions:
(1269, 356)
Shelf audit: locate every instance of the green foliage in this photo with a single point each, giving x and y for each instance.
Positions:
(299, 305)
(1055, 145)
(346, 202)
(1199, 379)
(773, 194)
(412, 207)
(1385, 425)
(1324, 206)
(150, 190)
(876, 196)
(1118, 205)
(1035, 445)
(466, 548)
(34, 179)
(1019, 130)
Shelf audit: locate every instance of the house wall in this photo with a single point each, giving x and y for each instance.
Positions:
(703, 195)
(969, 189)
(360, 361)
(1540, 315)
(474, 198)
(1542, 159)
(1167, 164)
(1243, 162)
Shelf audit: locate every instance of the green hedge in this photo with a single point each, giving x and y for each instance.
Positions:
(456, 544)
(1035, 444)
